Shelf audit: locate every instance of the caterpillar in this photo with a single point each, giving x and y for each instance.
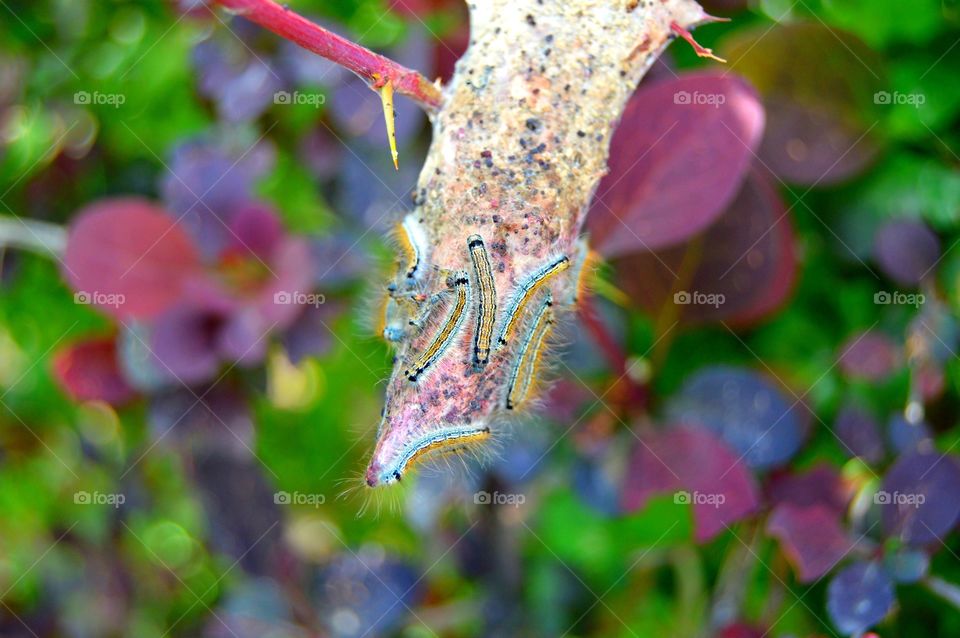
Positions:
(448, 331)
(525, 369)
(518, 148)
(525, 291)
(487, 307)
(400, 315)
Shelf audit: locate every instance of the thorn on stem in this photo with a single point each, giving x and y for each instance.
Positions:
(386, 97)
(709, 18)
(700, 50)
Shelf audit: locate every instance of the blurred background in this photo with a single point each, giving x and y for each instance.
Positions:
(752, 431)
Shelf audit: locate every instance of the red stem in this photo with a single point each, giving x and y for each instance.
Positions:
(608, 345)
(636, 394)
(374, 68)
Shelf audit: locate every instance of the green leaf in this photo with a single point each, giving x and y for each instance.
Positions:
(883, 22)
(913, 186)
(601, 547)
(924, 97)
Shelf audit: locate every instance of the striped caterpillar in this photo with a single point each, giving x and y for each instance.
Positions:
(491, 256)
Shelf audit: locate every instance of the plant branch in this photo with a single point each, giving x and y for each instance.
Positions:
(372, 67)
(41, 237)
(946, 590)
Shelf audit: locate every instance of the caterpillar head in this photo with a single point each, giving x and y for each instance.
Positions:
(402, 314)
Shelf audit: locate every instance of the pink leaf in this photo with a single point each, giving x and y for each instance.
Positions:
(810, 536)
(741, 269)
(129, 257)
(822, 485)
(870, 356)
(88, 371)
(676, 161)
(698, 468)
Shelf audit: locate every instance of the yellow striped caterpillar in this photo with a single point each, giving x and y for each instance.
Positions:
(448, 331)
(519, 145)
(525, 291)
(525, 369)
(487, 300)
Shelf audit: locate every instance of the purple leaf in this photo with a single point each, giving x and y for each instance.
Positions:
(320, 152)
(743, 266)
(249, 92)
(129, 257)
(869, 356)
(859, 596)
(700, 469)
(311, 334)
(243, 338)
(743, 408)
(185, 342)
(89, 371)
(339, 259)
(292, 279)
(859, 433)
(677, 159)
(208, 182)
(918, 497)
(241, 83)
(818, 88)
(821, 486)
(812, 555)
(370, 192)
(904, 435)
(906, 250)
(255, 229)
